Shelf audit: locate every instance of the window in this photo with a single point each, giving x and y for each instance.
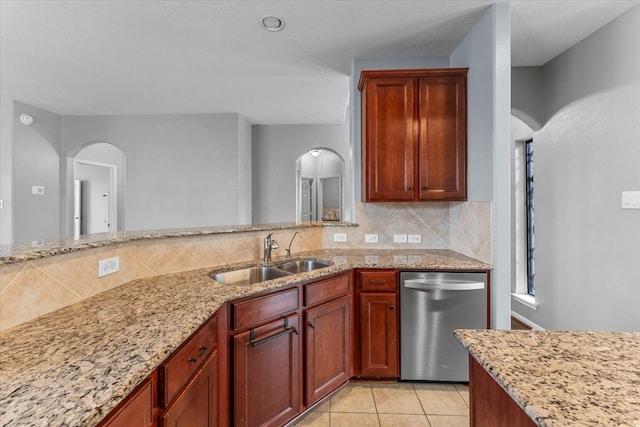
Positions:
(530, 209)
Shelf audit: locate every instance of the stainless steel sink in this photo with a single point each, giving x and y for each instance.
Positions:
(249, 276)
(303, 265)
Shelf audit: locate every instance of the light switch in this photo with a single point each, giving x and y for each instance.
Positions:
(339, 237)
(631, 200)
(37, 190)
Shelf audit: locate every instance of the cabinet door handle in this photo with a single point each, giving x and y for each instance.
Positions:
(425, 187)
(202, 350)
(392, 307)
(312, 325)
(410, 188)
(378, 282)
(270, 337)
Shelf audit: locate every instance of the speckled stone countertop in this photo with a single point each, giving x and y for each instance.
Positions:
(72, 366)
(18, 252)
(564, 378)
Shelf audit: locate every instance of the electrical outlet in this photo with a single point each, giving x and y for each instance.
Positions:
(399, 259)
(371, 259)
(414, 259)
(415, 238)
(371, 238)
(108, 266)
(339, 237)
(339, 259)
(399, 238)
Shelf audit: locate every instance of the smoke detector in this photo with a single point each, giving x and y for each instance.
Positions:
(272, 23)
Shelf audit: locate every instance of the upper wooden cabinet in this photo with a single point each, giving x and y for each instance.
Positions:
(414, 134)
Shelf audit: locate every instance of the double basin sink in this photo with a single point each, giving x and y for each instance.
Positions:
(251, 275)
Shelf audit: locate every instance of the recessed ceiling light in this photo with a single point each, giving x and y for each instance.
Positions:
(315, 153)
(272, 23)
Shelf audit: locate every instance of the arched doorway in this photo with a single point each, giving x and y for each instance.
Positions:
(319, 186)
(98, 189)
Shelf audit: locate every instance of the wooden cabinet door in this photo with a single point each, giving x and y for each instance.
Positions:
(389, 141)
(379, 335)
(197, 404)
(267, 381)
(136, 410)
(327, 348)
(490, 405)
(443, 138)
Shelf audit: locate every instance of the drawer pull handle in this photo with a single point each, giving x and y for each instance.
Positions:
(312, 325)
(392, 307)
(202, 351)
(270, 337)
(378, 282)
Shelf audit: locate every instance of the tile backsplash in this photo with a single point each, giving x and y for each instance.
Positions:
(32, 288)
(464, 227)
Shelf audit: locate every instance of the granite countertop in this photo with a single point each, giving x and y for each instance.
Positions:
(72, 366)
(564, 378)
(18, 252)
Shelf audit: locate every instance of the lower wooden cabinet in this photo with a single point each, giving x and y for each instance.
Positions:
(490, 405)
(137, 409)
(328, 344)
(379, 344)
(266, 373)
(254, 363)
(197, 404)
(379, 335)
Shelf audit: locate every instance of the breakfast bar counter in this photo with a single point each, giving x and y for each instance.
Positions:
(562, 378)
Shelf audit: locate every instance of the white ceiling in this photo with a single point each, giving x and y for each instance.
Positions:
(153, 57)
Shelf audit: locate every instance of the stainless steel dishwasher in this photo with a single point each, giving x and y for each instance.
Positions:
(432, 305)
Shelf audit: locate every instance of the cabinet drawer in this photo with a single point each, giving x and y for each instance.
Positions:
(325, 290)
(180, 366)
(259, 310)
(385, 280)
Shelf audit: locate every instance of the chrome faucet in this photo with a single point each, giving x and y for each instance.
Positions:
(268, 245)
(289, 248)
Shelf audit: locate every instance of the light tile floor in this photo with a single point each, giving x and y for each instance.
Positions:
(393, 405)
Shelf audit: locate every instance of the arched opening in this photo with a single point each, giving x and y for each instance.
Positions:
(319, 186)
(98, 179)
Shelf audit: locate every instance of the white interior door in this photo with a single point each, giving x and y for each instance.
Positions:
(97, 198)
(306, 212)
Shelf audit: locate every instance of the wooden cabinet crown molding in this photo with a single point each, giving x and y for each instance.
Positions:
(416, 72)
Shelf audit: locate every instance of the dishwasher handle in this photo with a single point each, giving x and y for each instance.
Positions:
(443, 285)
